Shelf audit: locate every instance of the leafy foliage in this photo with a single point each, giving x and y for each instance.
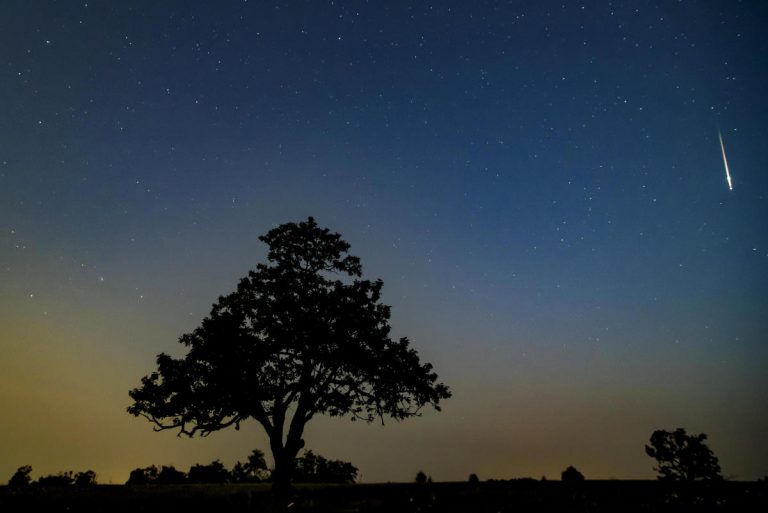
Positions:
(86, 478)
(302, 335)
(169, 475)
(682, 457)
(21, 477)
(60, 479)
(143, 475)
(312, 468)
(253, 470)
(211, 473)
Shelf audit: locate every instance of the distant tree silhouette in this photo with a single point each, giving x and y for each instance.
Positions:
(421, 478)
(682, 457)
(169, 475)
(86, 478)
(251, 471)
(21, 477)
(473, 479)
(312, 468)
(143, 475)
(211, 473)
(60, 479)
(572, 475)
(301, 336)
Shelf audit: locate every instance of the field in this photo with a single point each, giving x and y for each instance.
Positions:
(494, 496)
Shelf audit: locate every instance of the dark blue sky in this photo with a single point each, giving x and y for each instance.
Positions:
(539, 185)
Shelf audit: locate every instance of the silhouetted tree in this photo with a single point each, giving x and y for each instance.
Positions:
(169, 475)
(60, 479)
(473, 479)
(211, 473)
(143, 475)
(85, 478)
(253, 470)
(682, 457)
(301, 336)
(312, 468)
(572, 475)
(421, 478)
(21, 477)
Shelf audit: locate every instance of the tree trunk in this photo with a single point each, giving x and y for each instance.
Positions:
(285, 462)
(281, 475)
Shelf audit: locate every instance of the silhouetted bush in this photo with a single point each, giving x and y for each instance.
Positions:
(143, 475)
(313, 468)
(421, 478)
(60, 479)
(572, 475)
(86, 478)
(473, 479)
(169, 475)
(21, 477)
(212, 473)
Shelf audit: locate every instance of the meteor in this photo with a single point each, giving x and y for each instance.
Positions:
(725, 161)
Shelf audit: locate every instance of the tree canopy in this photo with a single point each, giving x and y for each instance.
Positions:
(682, 457)
(214, 472)
(254, 469)
(21, 476)
(302, 335)
(313, 468)
(571, 474)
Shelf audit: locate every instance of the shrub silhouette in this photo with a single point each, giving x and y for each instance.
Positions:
(421, 478)
(212, 473)
(169, 475)
(572, 475)
(21, 477)
(143, 475)
(473, 479)
(312, 468)
(85, 478)
(60, 479)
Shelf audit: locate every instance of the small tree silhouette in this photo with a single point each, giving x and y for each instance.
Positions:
(85, 478)
(572, 475)
(169, 475)
(421, 478)
(682, 457)
(143, 475)
(21, 477)
(313, 468)
(211, 473)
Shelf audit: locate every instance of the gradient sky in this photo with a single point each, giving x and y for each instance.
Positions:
(539, 185)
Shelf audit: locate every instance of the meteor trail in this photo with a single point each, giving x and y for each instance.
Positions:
(725, 161)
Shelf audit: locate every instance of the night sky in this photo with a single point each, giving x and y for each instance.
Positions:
(540, 185)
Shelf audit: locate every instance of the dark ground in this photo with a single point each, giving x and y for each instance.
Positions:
(517, 496)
